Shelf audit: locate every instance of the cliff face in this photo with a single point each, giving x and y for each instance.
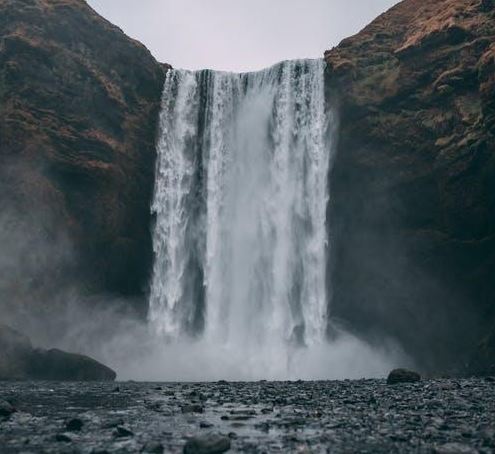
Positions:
(79, 103)
(413, 187)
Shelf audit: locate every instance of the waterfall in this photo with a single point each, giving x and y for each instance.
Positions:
(240, 238)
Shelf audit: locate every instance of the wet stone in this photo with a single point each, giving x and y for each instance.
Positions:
(403, 376)
(208, 444)
(441, 415)
(6, 409)
(192, 409)
(112, 423)
(63, 438)
(153, 448)
(74, 425)
(123, 432)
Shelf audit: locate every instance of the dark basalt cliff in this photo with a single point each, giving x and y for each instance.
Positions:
(79, 103)
(413, 186)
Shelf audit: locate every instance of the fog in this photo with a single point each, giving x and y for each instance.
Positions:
(109, 334)
(136, 354)
(238, 35)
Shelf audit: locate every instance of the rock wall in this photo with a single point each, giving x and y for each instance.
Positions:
(79, 103)
(413, 186)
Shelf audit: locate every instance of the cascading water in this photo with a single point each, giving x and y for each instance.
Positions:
(240, 201)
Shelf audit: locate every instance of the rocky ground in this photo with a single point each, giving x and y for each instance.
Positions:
(442, 416)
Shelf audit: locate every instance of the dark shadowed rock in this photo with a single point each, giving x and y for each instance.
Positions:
(402, 376)
(63, 438)
(208, 444)
(79, 103)
(20, 361)
(6, 409)
(59, 365)
(74, 425)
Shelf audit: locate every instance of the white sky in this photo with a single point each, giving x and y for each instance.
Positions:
(238, 35)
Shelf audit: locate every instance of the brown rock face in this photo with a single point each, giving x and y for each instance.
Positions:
(413, 186)
(79, 103)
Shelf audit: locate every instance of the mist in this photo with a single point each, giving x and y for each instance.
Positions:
(112, 335)
(136, 354)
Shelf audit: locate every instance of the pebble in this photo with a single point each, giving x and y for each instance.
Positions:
(153, 448)
(122, 432)
(434, 415)
(208, 444)
(6, 409)
(63, 438)
(74, 425)
(193, 408)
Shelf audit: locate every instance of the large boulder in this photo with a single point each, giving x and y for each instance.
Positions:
(20, 361)
(412, 212)
(79, 103)
(58, 365)
(402, 376)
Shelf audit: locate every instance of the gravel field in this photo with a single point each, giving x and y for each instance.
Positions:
(442, 416)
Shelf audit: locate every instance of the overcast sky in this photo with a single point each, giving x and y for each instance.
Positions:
(238, 35)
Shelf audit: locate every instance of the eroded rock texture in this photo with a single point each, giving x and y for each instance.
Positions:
(78, 110)
(413, 187)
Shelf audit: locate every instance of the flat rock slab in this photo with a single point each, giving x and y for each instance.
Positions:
(442, 416)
